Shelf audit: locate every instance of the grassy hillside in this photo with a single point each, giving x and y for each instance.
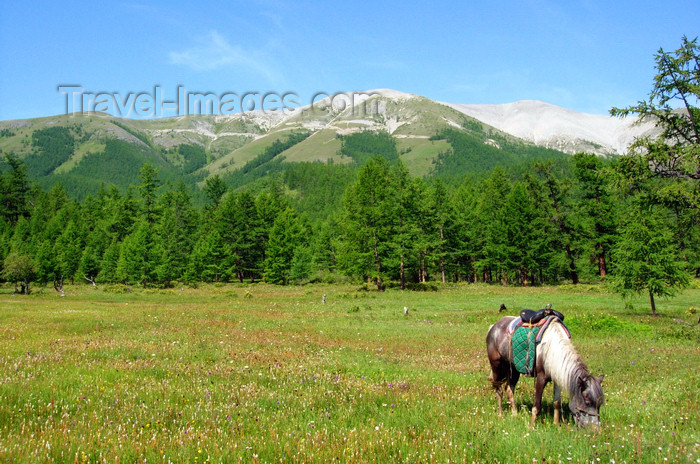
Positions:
(419, 154)
(87, 150)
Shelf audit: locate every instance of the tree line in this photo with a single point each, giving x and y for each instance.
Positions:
(633, 220)
(390, 229)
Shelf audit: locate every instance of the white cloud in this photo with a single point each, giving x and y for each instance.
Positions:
(214, 52)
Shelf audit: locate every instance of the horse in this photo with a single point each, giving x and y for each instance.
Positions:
(556, 360)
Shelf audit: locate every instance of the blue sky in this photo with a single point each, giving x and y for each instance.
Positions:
(585, 55)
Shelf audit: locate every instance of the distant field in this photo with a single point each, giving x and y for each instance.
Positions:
(320, 146)
(418, 154)
(270, 374)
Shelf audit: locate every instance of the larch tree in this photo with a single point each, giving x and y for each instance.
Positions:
(368, 220)
(647, 258)
(596, 208)
(665, 170)
(660, 178)
(286, 236)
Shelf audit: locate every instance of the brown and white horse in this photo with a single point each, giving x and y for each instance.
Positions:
(557, 361)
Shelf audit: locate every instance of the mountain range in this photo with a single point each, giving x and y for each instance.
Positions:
(94, 148)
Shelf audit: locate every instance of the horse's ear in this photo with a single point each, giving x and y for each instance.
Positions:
(600, 378)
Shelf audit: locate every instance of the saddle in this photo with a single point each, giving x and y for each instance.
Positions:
(526, 332)
(530, 316)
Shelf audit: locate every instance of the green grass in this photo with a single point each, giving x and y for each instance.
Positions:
(237, 158)
(418, 154)
(320, 146)
(227, 373)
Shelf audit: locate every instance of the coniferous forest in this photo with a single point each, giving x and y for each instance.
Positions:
(543, 218)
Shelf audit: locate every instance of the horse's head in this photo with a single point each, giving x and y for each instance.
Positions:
(586, 401)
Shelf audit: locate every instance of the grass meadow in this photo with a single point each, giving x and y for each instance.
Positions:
(262, 373)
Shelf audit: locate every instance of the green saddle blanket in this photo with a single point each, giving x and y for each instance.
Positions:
(523, 342)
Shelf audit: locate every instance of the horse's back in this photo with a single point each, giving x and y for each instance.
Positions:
(497, 339)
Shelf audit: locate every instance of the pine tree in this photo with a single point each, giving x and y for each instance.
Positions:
(175, 233)
(269, 204)
(492, 216)
(286, 236)
(89, 266)
(139, 256)
(407, 249)
(214, 189)
(240, 228)
(520, 230)
(421, 218)
(464, 233)
(46, 262)
(207, 261)
(595, 208)
(324, 245)
(546, 242)
(14, 190)
(109, 262)
(665, 170)
(68, 250)
(368, 220)
(149, 184)
(647, 258)
(301, 266)
(559, 208)
(441, 205)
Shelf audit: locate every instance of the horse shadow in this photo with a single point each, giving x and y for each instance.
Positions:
(547, 408)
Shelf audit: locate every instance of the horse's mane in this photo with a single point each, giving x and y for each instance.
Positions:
(562, 362)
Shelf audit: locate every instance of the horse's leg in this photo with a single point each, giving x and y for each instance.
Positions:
(540, 382)
(498, 388)
(557, 403)
(510, 390)
(510, 395)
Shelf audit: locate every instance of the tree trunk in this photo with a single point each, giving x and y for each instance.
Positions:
(600, 247)
(442, 254)
(401, 273)
(653, 305)
(378, 264)
(572, 265)
(601, 262)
